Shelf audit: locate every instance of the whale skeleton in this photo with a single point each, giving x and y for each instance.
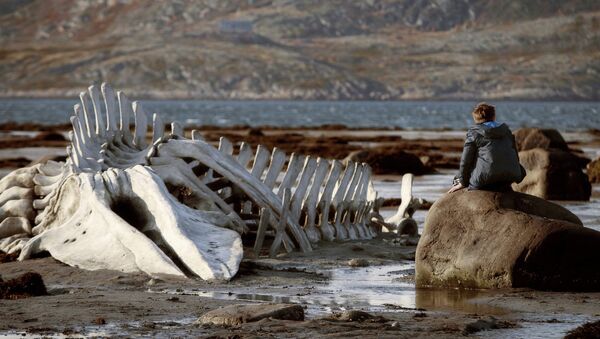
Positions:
(179, 205)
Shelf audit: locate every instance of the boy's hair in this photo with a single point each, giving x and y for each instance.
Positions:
(483, 113)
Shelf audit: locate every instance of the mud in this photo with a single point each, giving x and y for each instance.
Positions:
(113, 304)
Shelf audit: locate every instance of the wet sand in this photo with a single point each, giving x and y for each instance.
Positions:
(108, 303)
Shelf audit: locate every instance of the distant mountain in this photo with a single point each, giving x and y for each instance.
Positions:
(313, 49)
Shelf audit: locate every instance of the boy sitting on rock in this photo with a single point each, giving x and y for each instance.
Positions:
(490, 160)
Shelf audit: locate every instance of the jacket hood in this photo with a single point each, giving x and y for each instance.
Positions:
(492, 130)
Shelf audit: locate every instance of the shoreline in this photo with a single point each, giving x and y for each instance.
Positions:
(109, 303)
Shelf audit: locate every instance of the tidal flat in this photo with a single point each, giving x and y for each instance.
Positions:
(108, 303)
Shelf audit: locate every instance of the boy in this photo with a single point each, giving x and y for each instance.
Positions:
(490, 160)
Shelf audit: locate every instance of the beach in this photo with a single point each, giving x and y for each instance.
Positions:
(110, 303)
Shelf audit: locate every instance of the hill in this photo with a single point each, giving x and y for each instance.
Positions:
(258, 49)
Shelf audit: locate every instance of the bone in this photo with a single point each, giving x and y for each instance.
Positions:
(263, 225)
(225, 146)
(15, 193)
(277, 162)
(158, 128)
(17, 208)
(177, 129)
(40, 204)
(52, 168)
(406, 196)
(245, 154)
(197, 135)
(125, 114)
(260, 161)
(88, 114)
(22, 177)
(308, 171)
(280, 230)
(111, 108)
(327, 231)
(14, 225)
(230, 168)
(258, 166)
(184, 175)
(141, 125)
(13, 243)
(98, 116)
(291, 175)
(75, 213)
(310, 203)
(342, 186)
(348, 197)
(341, 233)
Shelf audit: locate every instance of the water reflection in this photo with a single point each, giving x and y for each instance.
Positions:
(456, 300)
(376, 288)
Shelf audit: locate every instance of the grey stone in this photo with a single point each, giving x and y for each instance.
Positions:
(239, 314)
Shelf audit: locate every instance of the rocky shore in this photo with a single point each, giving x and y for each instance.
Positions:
(333, 284)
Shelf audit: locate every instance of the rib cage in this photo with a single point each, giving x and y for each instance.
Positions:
(298, 200)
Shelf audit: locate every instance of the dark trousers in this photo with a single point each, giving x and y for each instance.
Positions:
(496, 187)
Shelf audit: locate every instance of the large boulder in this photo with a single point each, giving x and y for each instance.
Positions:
(389, 160)
(553, 174)
(482, 239)
(530, 138)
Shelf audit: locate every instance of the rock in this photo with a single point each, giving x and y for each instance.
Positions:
(408, 226)
(530, 138)
(481, 325)
(358, 316)
(6, 257)
(256, 132)
(238, 314)
(593, 171)
(27, 285)
(99, 321)
(358, 262)
(553, 174)
(590, 330)
(386, 160)
(50, 136)
(481, 239)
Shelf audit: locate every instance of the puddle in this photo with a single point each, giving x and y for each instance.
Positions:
(112, 329)
(534, 326)
(372, 289)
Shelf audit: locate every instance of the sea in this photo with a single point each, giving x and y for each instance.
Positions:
(453, 115)
(415, 119)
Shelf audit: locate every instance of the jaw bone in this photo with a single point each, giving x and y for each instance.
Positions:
(128, 221)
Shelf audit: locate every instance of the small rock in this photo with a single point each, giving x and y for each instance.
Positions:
(99, 321)
(358, 262)
(29, 284)
(481, 325)
(148, 324)
(5, 257)
(357, 316)
(395, 324)
(593, 171)
(585, 331)
(239, 314)
(356, 248)
(173, 299)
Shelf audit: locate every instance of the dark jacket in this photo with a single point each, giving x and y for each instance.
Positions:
(489, 157)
